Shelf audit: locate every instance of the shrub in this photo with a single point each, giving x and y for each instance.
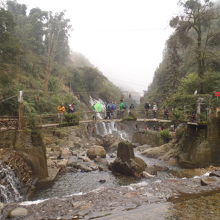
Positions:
(178, 115)
(130, 118)
(72, 118)
(165, 135)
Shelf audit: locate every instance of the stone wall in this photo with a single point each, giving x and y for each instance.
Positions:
(29, 145)
(194, 150)
(199, 146)
(149, 137)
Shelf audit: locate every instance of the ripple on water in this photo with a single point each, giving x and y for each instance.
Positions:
(72, 183)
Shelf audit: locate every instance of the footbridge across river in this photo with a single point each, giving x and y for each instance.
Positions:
(12, 123)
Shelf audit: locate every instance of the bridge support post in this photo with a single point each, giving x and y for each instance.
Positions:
(20, 110)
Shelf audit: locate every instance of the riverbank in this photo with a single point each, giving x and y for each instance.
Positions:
(106, 203)
(86, 189)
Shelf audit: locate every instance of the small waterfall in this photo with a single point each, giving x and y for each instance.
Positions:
(9, 185)
(101, 129)
(107, 128)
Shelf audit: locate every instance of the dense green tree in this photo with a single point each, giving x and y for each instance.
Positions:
(8, 44)
(197, 16)
(56, 42)
(35, 57)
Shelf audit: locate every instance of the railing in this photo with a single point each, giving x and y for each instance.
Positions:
(8, 123)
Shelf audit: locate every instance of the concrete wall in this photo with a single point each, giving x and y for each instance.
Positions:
(29, 145)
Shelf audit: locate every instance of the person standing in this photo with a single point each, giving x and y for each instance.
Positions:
(166, 113)
(122, 108)
(108, 111)
(61, 110)
(146, 107)
(113, 109)
(72, 108)
(155, 110)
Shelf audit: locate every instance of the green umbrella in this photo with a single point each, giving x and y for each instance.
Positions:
(98, 107)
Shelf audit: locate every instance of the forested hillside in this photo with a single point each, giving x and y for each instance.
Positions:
(35, 57)
(191, 60)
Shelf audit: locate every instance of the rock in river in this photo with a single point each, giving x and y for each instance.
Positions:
(126, 163)
(18, 212)
(96, 151)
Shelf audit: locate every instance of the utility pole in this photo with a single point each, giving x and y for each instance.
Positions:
(20, 110)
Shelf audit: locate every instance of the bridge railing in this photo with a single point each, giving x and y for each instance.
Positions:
(8, 123)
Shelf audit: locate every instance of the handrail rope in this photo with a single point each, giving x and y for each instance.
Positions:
(3, 100)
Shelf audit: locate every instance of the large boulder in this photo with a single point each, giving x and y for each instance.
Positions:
(96, 151)
(108, 140)
(126, 163)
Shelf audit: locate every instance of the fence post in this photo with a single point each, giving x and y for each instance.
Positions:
(20, 110)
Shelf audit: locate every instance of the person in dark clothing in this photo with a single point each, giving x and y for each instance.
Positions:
(155, 110)
(146, 107)
(166, 113)
(108, 111)
(132, 106)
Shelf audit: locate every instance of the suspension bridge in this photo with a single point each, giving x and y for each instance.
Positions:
(51, 120)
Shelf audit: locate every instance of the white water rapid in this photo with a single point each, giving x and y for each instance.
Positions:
(106, 128)
(9, 185)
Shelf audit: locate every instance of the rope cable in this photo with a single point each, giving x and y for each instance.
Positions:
(3, 100)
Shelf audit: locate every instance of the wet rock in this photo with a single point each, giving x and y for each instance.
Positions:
(110, 143)
(102, 164)
(2, 205)
(102, 181)
(85, 159)
(155, 168)
(54, 153)
(125, 151)
(83, 166)
(113, 147)
(51, 163)
(126, 163)
(207, 181)
(143, 147)
(62, 163)
(147, 175)
(173, 161)
(77, 145)
(96, 151)
(71, 170)
(157, 152)
(112, 155)
(71, 160)
(215, 173)
(66, 153)
(18, 212)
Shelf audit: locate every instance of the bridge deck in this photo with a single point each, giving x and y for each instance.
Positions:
(10, 124)
(107, 120)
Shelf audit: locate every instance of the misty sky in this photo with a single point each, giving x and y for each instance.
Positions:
(125, 39)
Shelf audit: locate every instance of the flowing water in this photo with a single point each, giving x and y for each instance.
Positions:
(204, 207)
(9, 185)
(77, 183)
(188, 208)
